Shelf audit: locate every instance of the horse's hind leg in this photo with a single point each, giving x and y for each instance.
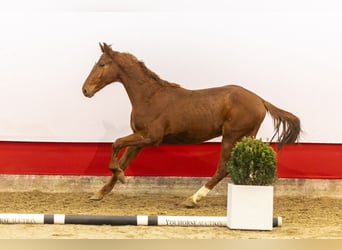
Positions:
(126, 158)
(229, 139)
(220, 173)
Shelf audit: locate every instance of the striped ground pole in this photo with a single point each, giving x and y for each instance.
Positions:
(140, 220)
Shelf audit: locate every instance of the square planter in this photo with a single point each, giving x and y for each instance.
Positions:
(250, 207)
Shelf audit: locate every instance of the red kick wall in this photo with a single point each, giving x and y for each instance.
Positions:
(304, 160)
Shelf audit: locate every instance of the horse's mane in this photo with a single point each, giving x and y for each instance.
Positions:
(129, 59)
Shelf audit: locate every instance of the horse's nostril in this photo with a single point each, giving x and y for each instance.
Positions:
(84, 91)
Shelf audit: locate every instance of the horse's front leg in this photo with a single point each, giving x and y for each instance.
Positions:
(135, 140)
(134, 144)
(115, 166)
(126, 158)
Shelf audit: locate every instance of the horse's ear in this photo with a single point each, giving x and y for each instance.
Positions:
(106, 48)
(101, 46)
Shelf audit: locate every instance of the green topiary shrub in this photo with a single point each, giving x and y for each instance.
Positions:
(252, 162)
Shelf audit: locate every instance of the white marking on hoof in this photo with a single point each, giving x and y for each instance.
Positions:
(189, 203)
(202, 192)
(96, 197)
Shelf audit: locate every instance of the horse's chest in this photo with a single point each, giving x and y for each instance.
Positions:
(136, 126)
(140, 122)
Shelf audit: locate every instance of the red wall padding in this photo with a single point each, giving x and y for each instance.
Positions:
(304, 160)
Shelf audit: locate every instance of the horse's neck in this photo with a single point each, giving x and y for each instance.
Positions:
(139, 86)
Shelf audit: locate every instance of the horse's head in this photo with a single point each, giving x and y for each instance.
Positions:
(104, 72)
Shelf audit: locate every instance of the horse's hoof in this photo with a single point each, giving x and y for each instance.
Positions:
(189, 203)
(96, 197)
(122, 178)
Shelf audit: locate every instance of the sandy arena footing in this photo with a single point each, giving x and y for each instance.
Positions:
(150, 185)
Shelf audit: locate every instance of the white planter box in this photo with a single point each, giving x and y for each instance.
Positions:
(250, 207)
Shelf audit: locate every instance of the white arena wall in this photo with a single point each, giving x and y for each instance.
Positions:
(290, 57)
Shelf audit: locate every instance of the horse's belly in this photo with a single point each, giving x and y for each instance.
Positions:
(191, 137)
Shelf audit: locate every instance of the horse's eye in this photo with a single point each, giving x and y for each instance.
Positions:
(101, 65)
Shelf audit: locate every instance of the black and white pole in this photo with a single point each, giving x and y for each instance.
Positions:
(140, 220)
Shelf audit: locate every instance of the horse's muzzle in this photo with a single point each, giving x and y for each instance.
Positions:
(86, 92)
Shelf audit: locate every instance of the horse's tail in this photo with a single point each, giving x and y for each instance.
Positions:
(286, 125)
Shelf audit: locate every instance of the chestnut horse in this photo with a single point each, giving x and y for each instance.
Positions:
(164, 112)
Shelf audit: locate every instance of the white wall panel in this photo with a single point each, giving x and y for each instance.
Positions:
(290, 57)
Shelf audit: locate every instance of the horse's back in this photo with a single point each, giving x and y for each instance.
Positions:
(234, 96)
(200, 115)
(237, 105)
